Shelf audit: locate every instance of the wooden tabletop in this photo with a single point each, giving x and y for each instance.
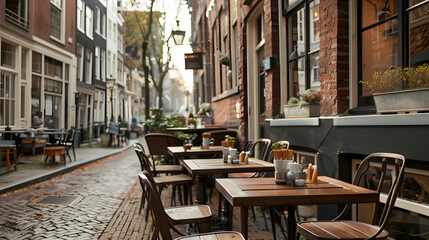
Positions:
(217, 166)
(198, 151)
(265, 192)
(195, 130)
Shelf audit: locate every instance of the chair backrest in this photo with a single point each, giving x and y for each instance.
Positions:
(260, 148)
(219, 135)
(158, 143)
(386, 161)
(144, 160)
(161, 219)
(70, 135)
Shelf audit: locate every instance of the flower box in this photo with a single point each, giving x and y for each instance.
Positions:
(297, 111)
(411, 100)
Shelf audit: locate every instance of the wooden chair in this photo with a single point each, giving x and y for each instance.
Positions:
(160, 169)
(164, 223)
(157, 144)
(344, 229)
(200, 215)
(51, 152)
(163, 181)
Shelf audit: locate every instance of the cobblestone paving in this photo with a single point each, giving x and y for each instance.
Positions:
(100, 189)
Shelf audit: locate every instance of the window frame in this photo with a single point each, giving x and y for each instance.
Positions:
(89, 22)
(287, 12)
(403, 43)
(19, 19)
(80, 15)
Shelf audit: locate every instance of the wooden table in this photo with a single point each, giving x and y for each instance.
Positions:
(179, 152)
(245, 192)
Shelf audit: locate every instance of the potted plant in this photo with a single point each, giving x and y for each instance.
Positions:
(307, 105)
(190, 121)
(187, 140)
(403, 89)
(277, 150)
(228, 142)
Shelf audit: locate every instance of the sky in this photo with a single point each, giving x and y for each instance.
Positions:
(177, 52)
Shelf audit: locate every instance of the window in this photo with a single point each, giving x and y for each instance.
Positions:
(24, 65)
(97, 62)
(103, 65)
(56, 16)
(53, 68)
(89, 22)
(120, 43)
(303, 46)
(98, 20)
(392, 34)
(109, 33)
(88, 66)
(103, 24)
(119, 73)
(7, 55)
(17, 12)
(36, 82)
(23, 103)
(80, 15)
(79, 62)
(36, 62)
(7, 98)
(109, 64)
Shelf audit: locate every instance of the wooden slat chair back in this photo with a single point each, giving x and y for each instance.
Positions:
(359, 230)
(163, 223)
(158, 143)
(159, 169)
(219, 136)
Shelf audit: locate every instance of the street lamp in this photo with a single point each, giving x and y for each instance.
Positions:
(178, 35)
(111, 82)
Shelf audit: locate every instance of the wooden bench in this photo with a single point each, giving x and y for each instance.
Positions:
(8, 149)
(52, 152)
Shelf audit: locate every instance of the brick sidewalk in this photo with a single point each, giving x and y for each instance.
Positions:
(127, 223)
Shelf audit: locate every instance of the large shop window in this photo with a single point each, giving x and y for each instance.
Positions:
(393, 43)
(410, 217)
(303, 45)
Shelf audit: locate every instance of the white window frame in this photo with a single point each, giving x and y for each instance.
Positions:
(97, 62)
(98, 20)
(59, 4)
(80, 15)
(103, 64)
(89, 22)
(88, 65)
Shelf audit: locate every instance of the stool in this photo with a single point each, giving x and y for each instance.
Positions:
(8, 149)
(52, 151)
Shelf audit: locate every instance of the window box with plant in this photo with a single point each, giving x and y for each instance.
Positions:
(228, 142)
(306, 106)
(401, 89)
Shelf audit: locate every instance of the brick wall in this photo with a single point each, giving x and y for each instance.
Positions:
(272, 76)
(334, 55)
(224, 111)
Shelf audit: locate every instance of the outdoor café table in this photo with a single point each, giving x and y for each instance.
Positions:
(246, 192)
(201, 167)
(179, 152)
(16, 135)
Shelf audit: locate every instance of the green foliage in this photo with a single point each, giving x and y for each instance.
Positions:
(124, 124)
(178, 120)
(158, 123)
(394, 79)
(185, 136)
(293, 100)
(278, 145)
(229, 138)
(225, 61)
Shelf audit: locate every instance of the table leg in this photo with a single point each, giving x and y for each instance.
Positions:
(225, 214)
(201, 197)
(244, 221)
(8, 160)
(291, 224)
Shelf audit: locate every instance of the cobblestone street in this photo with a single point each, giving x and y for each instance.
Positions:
(77, 205)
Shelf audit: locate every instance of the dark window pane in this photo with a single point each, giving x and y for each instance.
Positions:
(36, 62)
(379, 52)
(297, 76)
(377, 10)
(418, 34)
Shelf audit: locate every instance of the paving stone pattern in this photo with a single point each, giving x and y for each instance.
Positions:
(100, 187)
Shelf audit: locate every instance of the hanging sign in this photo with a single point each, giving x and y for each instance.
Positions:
(194, 60)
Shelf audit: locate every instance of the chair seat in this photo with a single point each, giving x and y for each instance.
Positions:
(173, 179)
(169, 169)
(220, 236)
(339, 230)
(189, 214)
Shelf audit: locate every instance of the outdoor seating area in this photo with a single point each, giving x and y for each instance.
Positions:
(16, 143)
(251, 179)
